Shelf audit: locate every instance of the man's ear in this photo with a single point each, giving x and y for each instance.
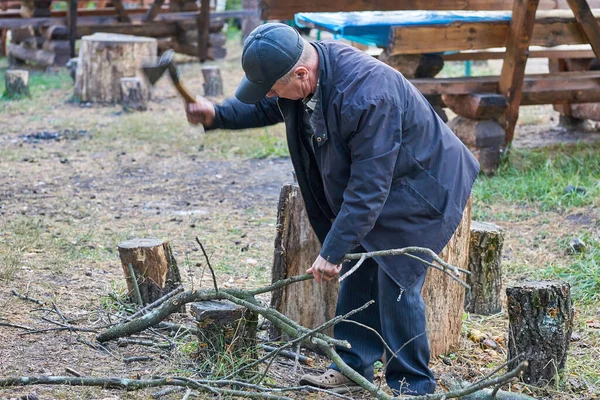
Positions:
(301, 73)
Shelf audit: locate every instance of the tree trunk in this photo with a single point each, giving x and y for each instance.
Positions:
(485, 253)
(213, 84)
(104, 59)
(133, 93)
(39, 57)
(296, 248)
(444, 298)
(17, 83)
(540, 326)
(154, 267)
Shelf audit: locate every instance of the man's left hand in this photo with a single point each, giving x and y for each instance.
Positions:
(323, 270)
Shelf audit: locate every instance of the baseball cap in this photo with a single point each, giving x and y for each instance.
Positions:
(269, 53)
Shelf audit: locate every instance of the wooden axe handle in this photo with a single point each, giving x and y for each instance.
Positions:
(183, 92)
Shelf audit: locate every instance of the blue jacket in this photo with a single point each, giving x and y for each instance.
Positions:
(386, 172)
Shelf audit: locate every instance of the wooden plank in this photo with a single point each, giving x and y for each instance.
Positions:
(285, 9)
(587, 23)
(203, 24)
(72, 25)
(552, 28)
(153, 10)
(515, 59)
(477, 105)
(551, 53)
(123, 17)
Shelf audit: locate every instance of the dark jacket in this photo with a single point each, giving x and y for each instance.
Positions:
(385, 168)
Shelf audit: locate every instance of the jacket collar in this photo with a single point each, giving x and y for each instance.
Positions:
(317, 120)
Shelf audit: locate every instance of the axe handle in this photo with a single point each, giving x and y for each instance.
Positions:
(183, 92)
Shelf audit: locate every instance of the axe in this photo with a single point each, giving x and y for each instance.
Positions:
(154, 70)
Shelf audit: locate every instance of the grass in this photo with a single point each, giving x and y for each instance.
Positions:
(538, 178)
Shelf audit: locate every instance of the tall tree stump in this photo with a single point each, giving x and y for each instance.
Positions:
(16, 83)
(485, 253)
(540, 326)
(105, 58)
(134, 96)
(444, 298)
(154, 266)
(224, 327)
(213, 84)
(296, 248)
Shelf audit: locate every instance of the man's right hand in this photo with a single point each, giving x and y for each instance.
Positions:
(200, 112)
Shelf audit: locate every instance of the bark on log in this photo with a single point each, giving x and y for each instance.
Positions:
(414, 65)
(61, 50)
(540, 326)
(213, 84)
(16, 83)
(133, 94)
(479, 106)
(154, 266)
(444, 312)
(39, 57)
(106, 58)
(485, 252)
(296, 248)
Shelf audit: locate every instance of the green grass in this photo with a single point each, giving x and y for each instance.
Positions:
(39, 82)
(539, 177)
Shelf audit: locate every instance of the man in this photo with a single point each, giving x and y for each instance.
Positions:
(377, 169)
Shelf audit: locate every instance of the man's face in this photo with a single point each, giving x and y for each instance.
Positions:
(291, 90)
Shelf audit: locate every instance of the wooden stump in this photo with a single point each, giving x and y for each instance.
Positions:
(485, 252)
(224, 326)
(105, 58)
(444, 298)
(540, 326)
(17, 83)
(154, 266)
(296, 248)
(484, 138)
(133, 94)
(213, 84)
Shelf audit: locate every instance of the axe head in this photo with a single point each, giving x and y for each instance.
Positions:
(156, 67)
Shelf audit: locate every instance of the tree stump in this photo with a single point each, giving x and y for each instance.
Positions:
(444, 298)
(105, 58)
(154, 266)
(485, 253)
(17, 83)
(133, 94)
(213, 84)
(540, 326)
(225, 327)
(296, 248)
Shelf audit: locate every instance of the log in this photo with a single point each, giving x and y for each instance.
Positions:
(16, 83)
(154, 267)
(485, 139)
(444, 313)
(249, 23)
(39, 57)
(214, 53)
(106, 58)
(19, 35)
(213, 84)
(61, 50)
(56, 32)
(586, 111)
(414, 65)
(477, 105)
(296, 248)
(133, 95)
(540, 326)
(224, 327)
(485, 253)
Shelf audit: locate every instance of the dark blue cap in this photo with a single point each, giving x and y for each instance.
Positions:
(269, 53)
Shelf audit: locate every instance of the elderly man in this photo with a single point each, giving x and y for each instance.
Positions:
(377, 170)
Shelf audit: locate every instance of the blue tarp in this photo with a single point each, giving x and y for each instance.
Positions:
(373, 27)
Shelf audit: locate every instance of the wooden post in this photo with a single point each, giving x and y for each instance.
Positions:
(515, 59)
(225, 327)
(154, 266)
(72, 25)
(540, 326)
(17, 83)
(134, 96)
(203, 23)
(296, 248)
(122, 14)
(587, 23)
(3, 39)
(485, 252)
(213, 84)
(153, 10)
(249, 23)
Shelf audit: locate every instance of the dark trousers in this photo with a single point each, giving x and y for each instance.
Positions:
(398, 316)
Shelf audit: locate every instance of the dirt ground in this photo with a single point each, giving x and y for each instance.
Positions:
(77, 179)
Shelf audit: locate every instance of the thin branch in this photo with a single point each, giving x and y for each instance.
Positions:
(288, 354)
(26, 297)
(155, 303)
(70, 327)
(60, 314)
(15, 326)
(136, 287)
(212, 271)
(362, 259)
